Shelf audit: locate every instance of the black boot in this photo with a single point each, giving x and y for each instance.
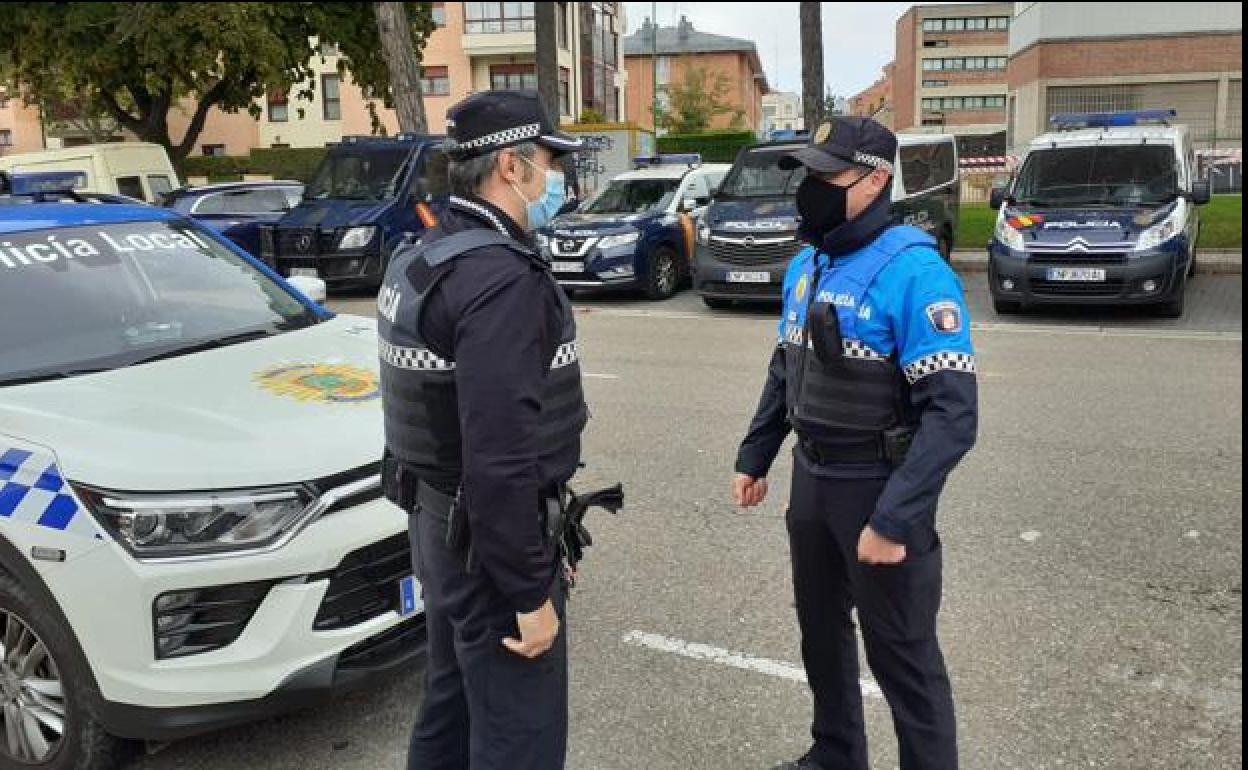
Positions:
(803, 763)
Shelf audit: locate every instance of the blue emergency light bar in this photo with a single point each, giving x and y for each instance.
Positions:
(671, 159)
(44, 182)
(1112, 119)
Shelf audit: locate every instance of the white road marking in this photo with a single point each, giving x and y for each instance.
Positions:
(722, 657)
(1193, 535)
(595, 376)
(1030, 536)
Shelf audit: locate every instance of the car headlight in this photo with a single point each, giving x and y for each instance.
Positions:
(704, 234)
(1008, 235)
(1164, 230)
(161, 526)
(614, 241)
(356, 238)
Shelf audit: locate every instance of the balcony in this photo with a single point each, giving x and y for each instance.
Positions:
(499, 43)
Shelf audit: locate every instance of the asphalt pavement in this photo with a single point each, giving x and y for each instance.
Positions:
(1093, 598)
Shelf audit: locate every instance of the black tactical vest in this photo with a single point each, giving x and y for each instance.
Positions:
(418, 385)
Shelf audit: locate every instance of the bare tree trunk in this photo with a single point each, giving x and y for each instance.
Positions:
(548, 56)
(404, 65)
(812, 65)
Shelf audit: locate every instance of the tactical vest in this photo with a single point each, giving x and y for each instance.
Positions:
(839, 391)
(418, 386)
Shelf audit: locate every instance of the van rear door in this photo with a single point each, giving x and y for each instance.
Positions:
(929, 189)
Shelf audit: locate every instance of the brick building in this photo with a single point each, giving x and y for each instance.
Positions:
(1089, 57)
(782, 111)
(950, 73)
(20, 127)
(682, 48)
(876, 101)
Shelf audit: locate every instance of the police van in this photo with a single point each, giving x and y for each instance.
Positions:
(1103, 210)
(368, 193)
(638, 231)
(192, 531)
(747, 236)
(138, 170)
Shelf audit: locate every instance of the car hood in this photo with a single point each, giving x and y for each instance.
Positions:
(755, 214)
(328, 214)
(1091, 227)
(600, 224)
(293, 407)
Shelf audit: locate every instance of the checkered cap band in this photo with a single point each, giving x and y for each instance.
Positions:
(499, 138)
(940, 362)
(420, 359)
(874, 161)
(566, 355)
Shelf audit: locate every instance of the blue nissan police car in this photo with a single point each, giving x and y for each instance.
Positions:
(638, 231)
(1103, 210)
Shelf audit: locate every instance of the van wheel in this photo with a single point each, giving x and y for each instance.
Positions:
(1006, 307)
(665, 274)
(47, 719)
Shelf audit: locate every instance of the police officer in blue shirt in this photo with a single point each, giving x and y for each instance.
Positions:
(483, 412)
(875, 373)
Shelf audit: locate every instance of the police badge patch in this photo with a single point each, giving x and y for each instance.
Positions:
(946, 317)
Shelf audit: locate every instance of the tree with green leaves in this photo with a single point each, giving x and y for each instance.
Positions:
(695, 101)
(136, 61)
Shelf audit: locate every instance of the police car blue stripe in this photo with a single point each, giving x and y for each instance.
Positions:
(50, 480)
(10, 461)
(59, 513)
(11, 496)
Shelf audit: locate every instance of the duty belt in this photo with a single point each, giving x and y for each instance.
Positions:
(889, 446)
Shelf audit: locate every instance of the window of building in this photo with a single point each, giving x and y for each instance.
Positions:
(131, 187)
(491, 18)
(933, 121)
(935, 83)
(280, 145)
(941, 103)
(328, 49)
(565, 91)
(6, 137)
(935, 43)
(4, 100)
(978, 24)
(514, 77)
(435, 81)
(561, 16)
(331, 98)
(663, 70)
(599, 50)
(278, 108)
(213, 150)
(439, 14)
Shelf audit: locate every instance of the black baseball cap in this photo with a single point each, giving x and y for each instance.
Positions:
(845, 142)
(492, 120)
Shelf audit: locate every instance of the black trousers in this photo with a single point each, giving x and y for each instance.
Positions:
(485, 707)
(897, 607)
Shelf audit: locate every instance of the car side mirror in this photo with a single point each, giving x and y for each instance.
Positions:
(996, 199)
(312, 288)
(1201, 192)
(704, 200)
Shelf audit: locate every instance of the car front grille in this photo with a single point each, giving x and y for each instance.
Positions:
(1073, 289)
(365, 584)
(753, 251)
(1078, 258)
(302, 241)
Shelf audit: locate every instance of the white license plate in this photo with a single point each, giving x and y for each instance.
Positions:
(742, 277)
(1086, 274)
(410, 601)
(567, 267)
(309, 272)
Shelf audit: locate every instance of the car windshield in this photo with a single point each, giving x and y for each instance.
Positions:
(757, 174)
(633, 196)
(1106, 175)
(359, 172)
(86, 299)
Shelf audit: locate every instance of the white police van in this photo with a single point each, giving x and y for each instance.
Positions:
(638, 231)
(192, 532)
(1102, 211)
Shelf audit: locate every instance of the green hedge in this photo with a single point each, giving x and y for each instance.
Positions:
(299, 164)
(715, 147)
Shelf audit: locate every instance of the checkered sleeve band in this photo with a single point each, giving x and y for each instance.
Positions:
(940, 362)
(566, 355)
(421, 359)
(874, 161)
(511, 135)
(860, 350)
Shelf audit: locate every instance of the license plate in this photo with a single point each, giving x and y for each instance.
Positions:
(409, 597)
(309, 272)
(566, 267)
(1076, 274)
(741, 277)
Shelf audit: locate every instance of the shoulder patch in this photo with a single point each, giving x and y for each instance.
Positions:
(945, 317)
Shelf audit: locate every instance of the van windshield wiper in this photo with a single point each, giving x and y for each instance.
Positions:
(209, 344)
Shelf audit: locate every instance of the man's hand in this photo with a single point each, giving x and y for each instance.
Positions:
(538, 631)
(748, 491)
(874, 548)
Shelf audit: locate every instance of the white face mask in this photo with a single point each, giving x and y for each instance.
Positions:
(541, 211)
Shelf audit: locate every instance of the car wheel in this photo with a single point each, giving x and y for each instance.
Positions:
(1006, 307)
(46, 692)
(717, 304)
(665, 274)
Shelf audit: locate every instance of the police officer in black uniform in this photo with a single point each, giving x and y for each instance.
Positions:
(483, 417)
(875, 372)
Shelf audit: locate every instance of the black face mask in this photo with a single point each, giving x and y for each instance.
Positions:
(822, 206)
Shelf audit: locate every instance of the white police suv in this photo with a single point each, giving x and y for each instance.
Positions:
(192, 532)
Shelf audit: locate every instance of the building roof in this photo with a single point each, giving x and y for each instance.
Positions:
(684, 39)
